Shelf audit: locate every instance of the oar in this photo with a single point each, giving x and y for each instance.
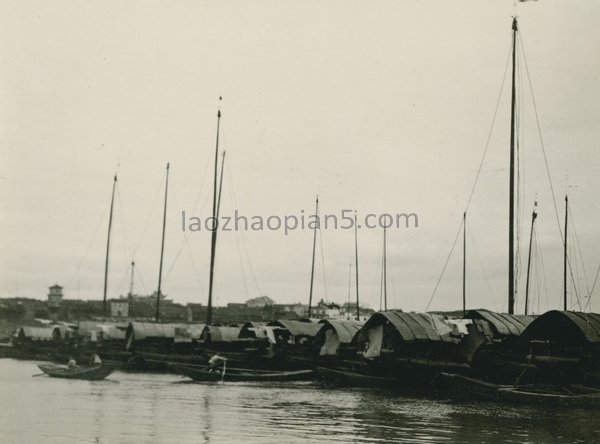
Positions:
(39, 374)
(224, 370)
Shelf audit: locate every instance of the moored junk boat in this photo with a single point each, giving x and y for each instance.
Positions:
(104, 337)
(492, 345)
(102, 334)
(291, 342)
(152, 346)
(91, 373)
(238, 344)
(563, 347)
(338, 361)
(39, 340)
(411, 347)
(337, 339)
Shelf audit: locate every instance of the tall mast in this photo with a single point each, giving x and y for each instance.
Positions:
(464, 277)
(130, 295)
(356, 267)
(131, 279)
(213, 243)
(384, 271)
(533, 216)
(565, 255)
(312, 270)
(162, 249)
(220, 183)
(349, 287)
(112, 202)
(511, 204)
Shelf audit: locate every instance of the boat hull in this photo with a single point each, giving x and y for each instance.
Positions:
(347, 378)
(572, 396)
(93, 373)
(243, 375)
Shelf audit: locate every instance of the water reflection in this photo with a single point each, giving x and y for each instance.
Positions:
(159, 408)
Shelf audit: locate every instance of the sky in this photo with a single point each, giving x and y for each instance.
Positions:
(378, 107)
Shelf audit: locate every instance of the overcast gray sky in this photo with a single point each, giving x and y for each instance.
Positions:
(375, 106)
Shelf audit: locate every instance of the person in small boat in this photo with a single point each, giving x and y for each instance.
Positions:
(95, 360)
(215, 361)
(72, 363)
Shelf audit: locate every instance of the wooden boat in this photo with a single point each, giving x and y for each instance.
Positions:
(349, 378)
(558, 395)
(573, 396)
(92, 373)
(462, 386)
(197, 373)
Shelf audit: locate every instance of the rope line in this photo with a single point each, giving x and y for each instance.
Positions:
(445, 265)
(487, 144)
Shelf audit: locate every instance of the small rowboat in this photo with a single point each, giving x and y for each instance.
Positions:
(92, 373)
(197, 373)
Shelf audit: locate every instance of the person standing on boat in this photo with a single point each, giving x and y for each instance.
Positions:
(95, 360)
(214, 362)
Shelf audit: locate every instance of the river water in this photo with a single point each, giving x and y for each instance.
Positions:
(151, 408)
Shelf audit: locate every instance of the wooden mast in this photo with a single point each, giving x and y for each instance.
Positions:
(565, 255)
(384, 270)
(130, 295)
(511, 210)
(213, 243)
(349, 288)
(356, 267)
(220, 183)
(112, 202)
(162, 249)
(312, 270)
(533, 217)
(131, 279)
(464, 276)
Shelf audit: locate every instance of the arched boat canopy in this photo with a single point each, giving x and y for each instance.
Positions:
(334, 333)
(502, 324)
(220, 333)
(298, 328)
(138, 331)
(569, 327)
(189, 332)
(253, 330)
(45, 333)
(346, 330)
(413, 326)
(110, 331)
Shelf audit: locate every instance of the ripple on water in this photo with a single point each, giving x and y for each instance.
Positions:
(146, 408)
